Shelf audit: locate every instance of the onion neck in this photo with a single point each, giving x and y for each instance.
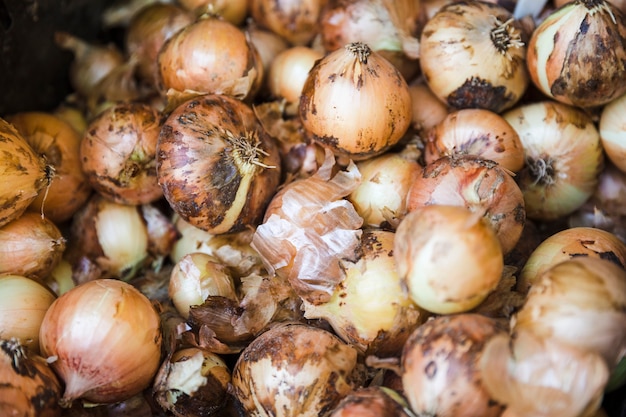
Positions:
(505, 37)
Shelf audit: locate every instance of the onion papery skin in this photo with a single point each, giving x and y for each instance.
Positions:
(477, 184)
(563, 155)
(217, 166)
(567, 47)
(294, 370)
(472, 56)
(369, 308)
(477, 132)
(105, 337)
(24, 173)
(59, 142)
(296, 21)
(371, 104)
(118, 153)
(448, 258)
(569, 244)
(440, 365)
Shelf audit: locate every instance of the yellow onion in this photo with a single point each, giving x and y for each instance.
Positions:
(294, 20)
(267, 44)
(567, 244)
(613, 132)
(233, 11)
(372, 401)
(477, 184)
(355, 102)
(542, 377)
(381, 197)
(369, 308)
(448, 257)
(580, 302)
(118, 153)
(30, 245)
(217, 166)
(563, 157)
(441, 372)
(103, 339)
(28, 387)
(576, 54)
(23, 304)
(24, 173)
(294, 370)
(428, 110)
(477, 132)
(49, 135)
(472, 55)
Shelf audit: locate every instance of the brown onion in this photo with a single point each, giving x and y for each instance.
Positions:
(103, 338)
(268, 45)
(233, 11)
(613, 132)
(428, 110)
(118, 153)
(371, 401)
(479, 185)
(355, 102)
(294, 20)
(217, 166)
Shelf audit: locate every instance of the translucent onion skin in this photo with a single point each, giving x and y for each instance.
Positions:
(294, 370)
(371, 104)
(217, 166)
(105, 339)
(566, 48)
(441, 372)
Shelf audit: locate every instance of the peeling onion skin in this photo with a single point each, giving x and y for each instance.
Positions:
(118, 153)
(472, 56)
(294, 370)
(217, 166)
(566, 49)
(440, 366)
(480, 185)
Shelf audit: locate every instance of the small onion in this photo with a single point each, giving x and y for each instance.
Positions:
(479, 185)
(569, 244)
(472, 56)
(373, 111)
(30, 245)
(268, 45)
(294, 370)
(428, 110)
(23, 304)
(563, 155)
(613, 132)
(24, 173)
(441, 372)
(294, 20)
(103, 338)
(371, 401)
(118, 153)
(576, 54)
(477, 132)
(217, 166)
(448, 257)
(28, 387)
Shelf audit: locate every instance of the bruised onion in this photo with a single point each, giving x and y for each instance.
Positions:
(294, 370)
(118, 153)
(355, 102)
(217, 166)
(103, 339)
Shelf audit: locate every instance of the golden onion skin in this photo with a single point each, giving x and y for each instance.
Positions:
(217, 166)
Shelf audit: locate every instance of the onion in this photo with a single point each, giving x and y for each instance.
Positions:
(371, 401)
(233, 11)
(118, 153)
(472, 55)
(268, 45)
(613, 132)
(563, 157)
(24, 174)
(566, 48)
(103, 338)
(55, 139)
(294, 20)
(23, 304)
(28, 387)
(294, 370)
(569, 244)
(374, 109)
(369, 308)
(448, 258)
(440, 367)
(479, 185)
(428, 110)
(210, 55)
(477, 132)
(579, 302)
(30, 245)
(217, 166)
